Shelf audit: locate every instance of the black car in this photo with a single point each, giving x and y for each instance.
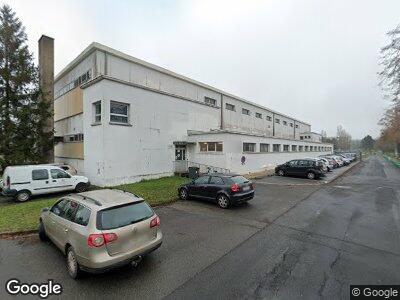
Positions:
(224, 189)
(310, 168)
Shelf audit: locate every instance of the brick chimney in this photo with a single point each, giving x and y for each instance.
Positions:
(46, 81)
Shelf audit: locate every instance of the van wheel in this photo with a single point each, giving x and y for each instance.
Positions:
(72, 264)
(23, 196)
(310, 175)
(42, 232)
(81, 187)
(223, 201)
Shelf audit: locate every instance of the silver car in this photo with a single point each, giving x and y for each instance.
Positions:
(100, 230)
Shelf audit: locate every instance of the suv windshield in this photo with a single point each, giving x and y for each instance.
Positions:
(239, 179)
(120, 216)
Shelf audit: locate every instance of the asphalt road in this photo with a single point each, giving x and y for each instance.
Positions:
(289, 242)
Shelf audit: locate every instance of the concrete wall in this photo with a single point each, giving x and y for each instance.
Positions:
(232, 153)
(116, 154)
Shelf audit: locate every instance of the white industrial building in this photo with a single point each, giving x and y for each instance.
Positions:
(119, 119)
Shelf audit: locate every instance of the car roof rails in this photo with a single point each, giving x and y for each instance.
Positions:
(126, 192)
(87, 198)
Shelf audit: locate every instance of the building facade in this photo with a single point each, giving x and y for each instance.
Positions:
(119, 119)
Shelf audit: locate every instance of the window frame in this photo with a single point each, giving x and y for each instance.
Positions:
(95, 114)
(232, 107)
(217, 144)
(247, 144)
(35, 179)
(262, 145)
(258, 115)
(269, 118)
(246, 111)
(127, 116)
(273, 147)
(210, 101)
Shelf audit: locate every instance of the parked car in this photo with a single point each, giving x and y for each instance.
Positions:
(22, 182)
(101, 230)
(328, 163)
(331, 161)
(346, 161)
(310, 168)
(338, 160)
(324, 163)
(224, 189)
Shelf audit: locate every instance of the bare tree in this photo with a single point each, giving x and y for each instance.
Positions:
(343, 139)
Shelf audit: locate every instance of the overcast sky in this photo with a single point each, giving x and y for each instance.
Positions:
(316, 60)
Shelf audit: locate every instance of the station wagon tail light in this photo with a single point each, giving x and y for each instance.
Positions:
(99, 239)
(155, 222)
(235, 187)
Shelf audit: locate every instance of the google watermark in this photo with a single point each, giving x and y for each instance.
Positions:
(374, 292)
(43, 290)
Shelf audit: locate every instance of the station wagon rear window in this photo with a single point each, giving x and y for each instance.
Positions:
(124, 215)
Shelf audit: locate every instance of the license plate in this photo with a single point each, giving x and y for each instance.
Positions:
(246, 188)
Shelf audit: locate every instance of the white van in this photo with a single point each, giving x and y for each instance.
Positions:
(22, 182)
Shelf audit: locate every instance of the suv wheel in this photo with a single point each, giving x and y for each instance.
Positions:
(223, 201)
(183, 194)
(42, 232)
(81, 187)
(23, 196)
(72, 264)
(281, 173)
(310, 175)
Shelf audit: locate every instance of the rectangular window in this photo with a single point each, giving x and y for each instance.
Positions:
(291, 124)
(230, 107)
(97, 112)
(210, 101)
(119, 112)
(302, 138)
(294, 148)
(249, 147)
(300, 148)
(305, 148)
(245, 111)
(276, 147)
(284, 123)
(297, 126)
(286, 148)
(269, 118)
(210, 146)
(40, 174)
(258, 115)
(277, 121)
(264, 147)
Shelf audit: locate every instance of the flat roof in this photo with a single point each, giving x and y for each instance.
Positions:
(97, 46)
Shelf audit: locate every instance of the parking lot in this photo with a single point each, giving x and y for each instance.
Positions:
(289, 241)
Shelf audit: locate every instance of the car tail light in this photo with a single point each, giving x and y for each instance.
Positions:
(99, 239)
(235, 187)
(155, 222)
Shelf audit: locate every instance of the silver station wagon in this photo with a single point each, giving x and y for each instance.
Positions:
(100, 230)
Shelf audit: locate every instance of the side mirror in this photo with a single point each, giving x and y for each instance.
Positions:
(45, 209)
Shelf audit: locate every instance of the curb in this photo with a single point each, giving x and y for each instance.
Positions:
(345, 172)
(15, 234)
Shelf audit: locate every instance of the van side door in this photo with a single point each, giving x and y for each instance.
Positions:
(60, 180)
(40, 183)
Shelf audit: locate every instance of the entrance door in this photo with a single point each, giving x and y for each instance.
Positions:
(180, 153)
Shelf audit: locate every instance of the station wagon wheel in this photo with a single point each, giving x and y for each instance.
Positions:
(310, 175)
(281, 173)
(23, 196)
(223, 201)
(72, 264)
(42, 232)
(183, 194)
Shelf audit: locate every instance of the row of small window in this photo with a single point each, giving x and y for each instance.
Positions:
(258, 115)
(74, 83)
(73, 138)
(210, 146)
(119, 112)
(306, 137)
(251, 147)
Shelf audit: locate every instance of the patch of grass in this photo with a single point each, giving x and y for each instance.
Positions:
(22, 216)
(156, 191)
(25, 216)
